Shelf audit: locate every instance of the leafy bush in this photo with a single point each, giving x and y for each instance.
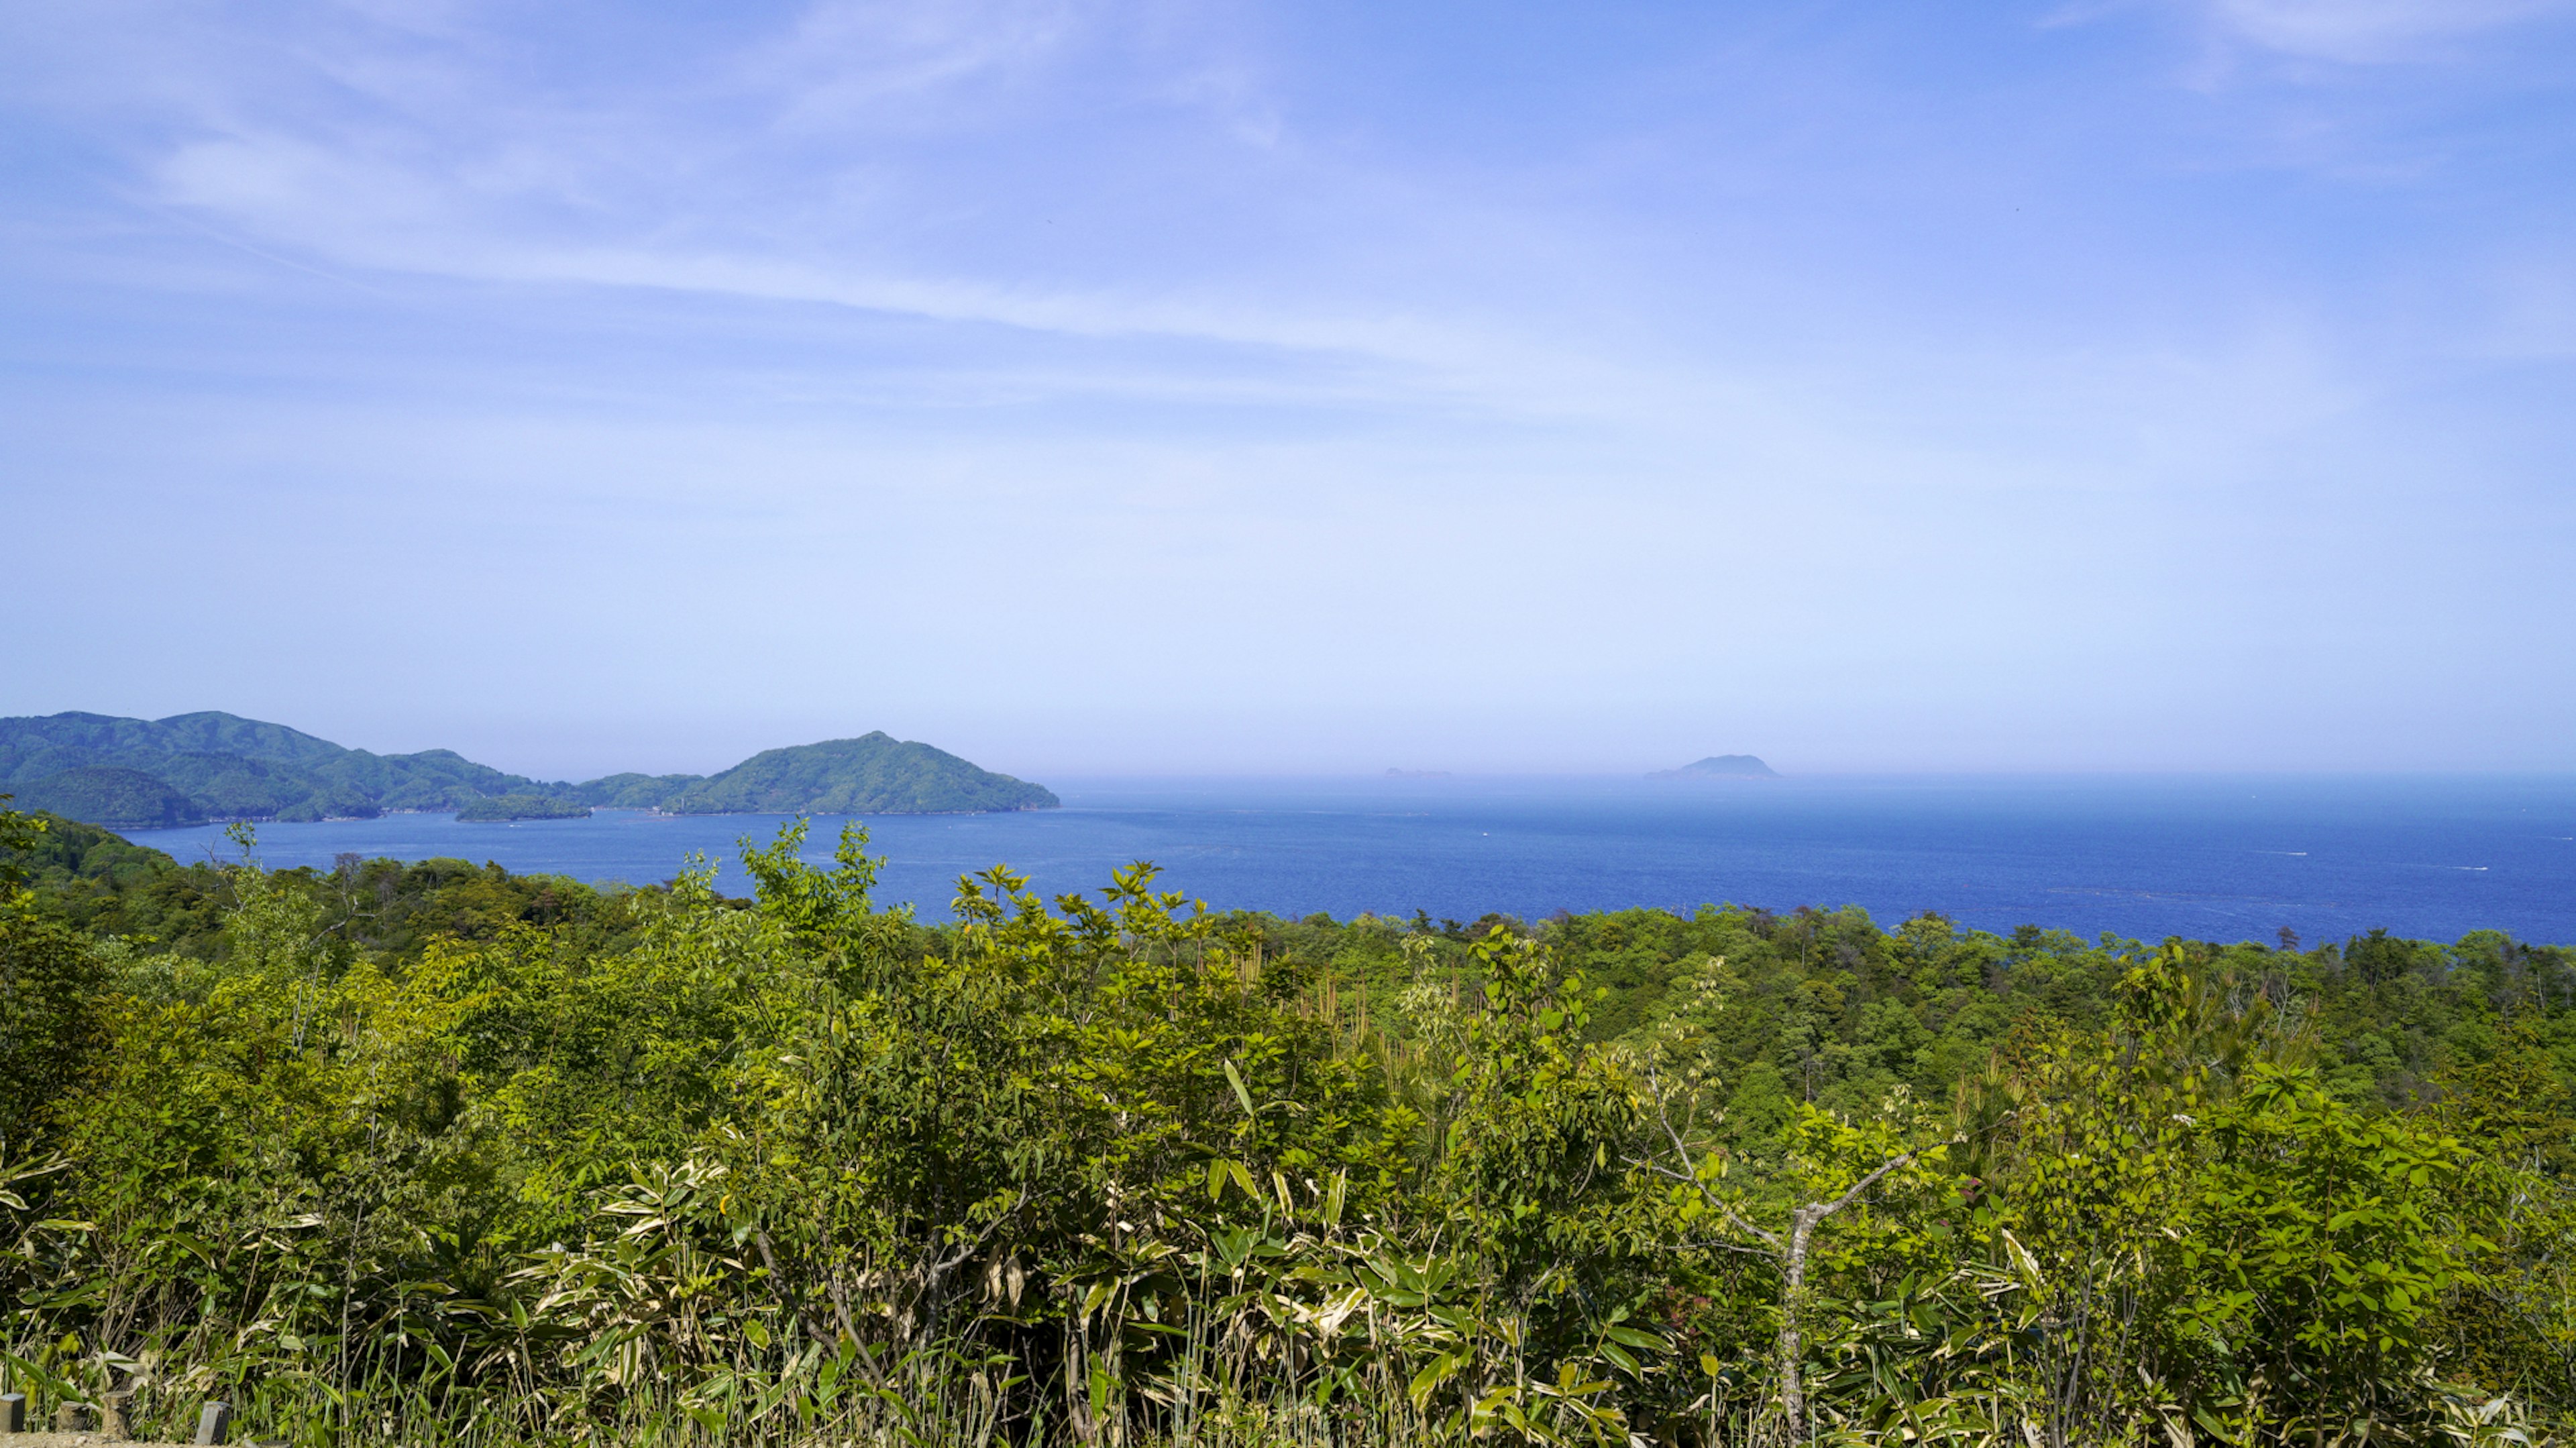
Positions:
(439, 1152)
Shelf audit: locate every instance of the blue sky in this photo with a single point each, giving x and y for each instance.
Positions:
(1237, 387)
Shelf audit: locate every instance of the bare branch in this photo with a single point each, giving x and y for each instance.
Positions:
(941, 1268)
(1708, 1194)
(1818, 1214)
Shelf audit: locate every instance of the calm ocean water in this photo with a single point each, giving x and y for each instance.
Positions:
(2143, 857)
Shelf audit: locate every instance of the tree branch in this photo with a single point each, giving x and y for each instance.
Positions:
(1865, 1183)
(1681, 1151)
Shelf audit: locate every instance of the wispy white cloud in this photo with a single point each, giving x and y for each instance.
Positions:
(1824, 363)
(2374, 31)
(790, 172)
(891, 64)
(533, 203)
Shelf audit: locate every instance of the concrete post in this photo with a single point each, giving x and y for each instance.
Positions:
(213, 1422)
(13, 1412)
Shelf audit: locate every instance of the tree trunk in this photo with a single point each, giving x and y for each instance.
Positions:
(1793, 1303)
(1791, 1250)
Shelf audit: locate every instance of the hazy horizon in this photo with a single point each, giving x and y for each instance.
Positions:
(1432, 772)
(1261, 389)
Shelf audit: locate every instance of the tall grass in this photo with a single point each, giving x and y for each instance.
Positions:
(795, 1173)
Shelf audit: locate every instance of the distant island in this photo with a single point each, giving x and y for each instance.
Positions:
(191, 768)
(872, 774)
(1417, 774)
(1720, 766)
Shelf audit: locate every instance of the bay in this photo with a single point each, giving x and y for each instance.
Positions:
(2141, 857)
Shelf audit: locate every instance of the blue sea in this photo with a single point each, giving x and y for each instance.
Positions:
(2143, 857)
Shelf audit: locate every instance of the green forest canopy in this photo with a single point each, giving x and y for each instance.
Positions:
(470, 1148)
(489, 808)
(138, 774)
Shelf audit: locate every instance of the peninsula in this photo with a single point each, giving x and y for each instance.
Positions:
(190, 768)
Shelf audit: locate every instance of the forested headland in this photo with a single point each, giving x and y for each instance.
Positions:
(497, 808)
(434, 1152)
(191, 768)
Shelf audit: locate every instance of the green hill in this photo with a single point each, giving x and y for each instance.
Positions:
(106, 795)
(228, 767)
(634, 791)
(155, 773)
(873, 774)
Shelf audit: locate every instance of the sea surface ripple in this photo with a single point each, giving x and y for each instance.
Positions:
(2140, 857)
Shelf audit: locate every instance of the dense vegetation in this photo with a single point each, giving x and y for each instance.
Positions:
(189, 768)
(106, 794)
(435, 1152)
(521, 807)
(872, 774)
(193, 767)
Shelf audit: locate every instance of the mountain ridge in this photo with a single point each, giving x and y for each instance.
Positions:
(189, 768)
